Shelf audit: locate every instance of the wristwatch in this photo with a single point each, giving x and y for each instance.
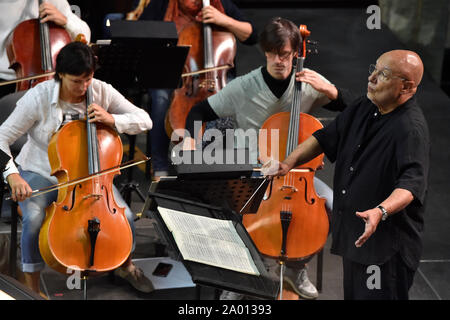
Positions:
(384, 213)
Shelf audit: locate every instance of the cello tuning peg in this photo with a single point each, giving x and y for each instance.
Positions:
(312, 42)
(313, 51)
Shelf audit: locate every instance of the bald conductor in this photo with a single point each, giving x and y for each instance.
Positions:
(381, 147)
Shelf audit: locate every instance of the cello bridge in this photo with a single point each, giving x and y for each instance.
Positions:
(93, 195)
(293, 189)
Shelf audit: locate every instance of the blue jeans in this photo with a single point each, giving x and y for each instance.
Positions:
(33, 214)
(160, 103)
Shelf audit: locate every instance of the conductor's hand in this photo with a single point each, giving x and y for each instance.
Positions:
(274, 168)
(317, 82)
(48, 12)
(100, 115)
(371, 217)
(20, 189)
(209, 14)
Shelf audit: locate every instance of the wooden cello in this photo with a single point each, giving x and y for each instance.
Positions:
(32, 49)
(85, 229)
(291, 222)
(211, 47)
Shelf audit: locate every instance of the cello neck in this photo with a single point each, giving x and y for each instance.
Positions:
(207, 42)
(93, 157)
(294, 121)
(46, 54)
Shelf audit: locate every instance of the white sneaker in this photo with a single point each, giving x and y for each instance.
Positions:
(230, 295)
(302, 286)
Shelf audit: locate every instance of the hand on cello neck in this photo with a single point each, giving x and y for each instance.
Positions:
(99, 115)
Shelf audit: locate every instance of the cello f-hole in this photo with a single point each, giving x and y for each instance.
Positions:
(114, 210)
(73, 198)
(312, 201)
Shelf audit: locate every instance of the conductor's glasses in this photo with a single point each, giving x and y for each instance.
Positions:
(382, 75)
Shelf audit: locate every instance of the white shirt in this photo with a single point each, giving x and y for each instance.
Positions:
(39, 115)
(13, 12)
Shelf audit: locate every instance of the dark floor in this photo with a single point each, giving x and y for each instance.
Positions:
(346, 48)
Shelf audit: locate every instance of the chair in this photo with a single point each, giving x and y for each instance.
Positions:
(7, 105)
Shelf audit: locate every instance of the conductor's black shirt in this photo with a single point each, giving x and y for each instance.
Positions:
(374, 155)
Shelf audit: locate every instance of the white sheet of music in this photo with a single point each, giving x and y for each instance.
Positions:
(207, 240)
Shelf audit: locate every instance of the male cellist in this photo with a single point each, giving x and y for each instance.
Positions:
(39, 114)
(252, 98)
(223, 13)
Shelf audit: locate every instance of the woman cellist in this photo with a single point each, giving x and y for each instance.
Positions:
(254, 97)
(39, 114)
(17, 11)
(183, 12)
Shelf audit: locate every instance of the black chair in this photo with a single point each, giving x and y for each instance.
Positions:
(7, 105)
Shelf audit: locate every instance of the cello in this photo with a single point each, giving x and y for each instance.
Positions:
(291, 223)
(32, 49)
(85, 229)
(211, 47)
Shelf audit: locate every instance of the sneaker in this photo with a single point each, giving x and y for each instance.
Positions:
(136, 278)
(230, 295)
(302, 286)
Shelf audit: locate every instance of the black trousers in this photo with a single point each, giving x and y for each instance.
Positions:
(389, 281)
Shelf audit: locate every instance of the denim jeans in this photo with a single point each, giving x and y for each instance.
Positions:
(160, 103)
(33, 214)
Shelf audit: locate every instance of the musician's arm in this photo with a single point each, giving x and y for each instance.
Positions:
(128, 118)
(231, 20)
(17, 124)
(201, 112)
(318, 82)
(241, 29)
(306, 151)
(73, 24)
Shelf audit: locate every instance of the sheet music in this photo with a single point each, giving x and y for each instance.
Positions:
(207, 240)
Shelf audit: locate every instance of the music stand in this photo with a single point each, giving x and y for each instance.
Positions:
(179, 194)
(140, 55)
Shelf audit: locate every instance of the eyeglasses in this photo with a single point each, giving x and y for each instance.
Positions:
(382, 75)
(281, 55)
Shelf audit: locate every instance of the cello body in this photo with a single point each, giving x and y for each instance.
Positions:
(216, 47)
(65, 240)
(25, 51)
(308, 230)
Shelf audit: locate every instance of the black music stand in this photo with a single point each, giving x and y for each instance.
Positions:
(140, 54)
(196, 197)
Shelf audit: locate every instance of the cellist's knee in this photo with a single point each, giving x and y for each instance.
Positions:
(324, 191)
